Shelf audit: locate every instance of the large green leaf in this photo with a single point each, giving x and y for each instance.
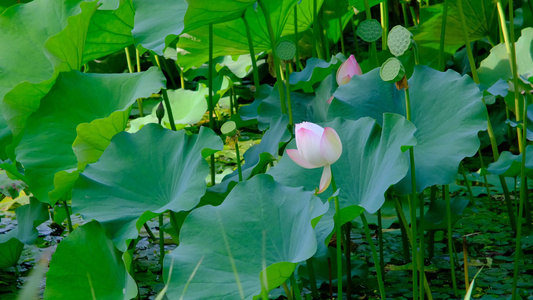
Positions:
(496, 66)
(109, 31)
(204, 12)
(372, 160)
(510, 165)
(314, 72)
(260, 222)
(332, 10)
(91, 266)
(305, 106)
(446, 109)
(481, 20)
(229, 38)
(5, 137)
(50, 36)
(141, 175)
(10, 250)
(258, 156)
(158, 23)
(76, 98)
(304, 17)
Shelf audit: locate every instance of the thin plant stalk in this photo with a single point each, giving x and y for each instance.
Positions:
(413, 15)
(376, 258)
(128, 59)
(161, 242)
(523, 198)
(288, 90)
(312, 278)
(348, 254)
(277, 64)
(150, 233)
(239, 170)
(315, 29)
(443, 36)
(296, 39)
(69, 220)
(210, 100)
(412, 205)
(465, 263)
(352, 22)
(373, 48)
(168, 109)
(431, 233)
(287, 291)
(467, 183)
(404, 12)
(380, 244)
(467, 42)
(341, 36)
(403, 220)
(252, 52)
(482, 164)
(509, 46)
(384, 9)
(140, 100)
(450, 238)
(296, 288)
(405, 240)
(339, 238)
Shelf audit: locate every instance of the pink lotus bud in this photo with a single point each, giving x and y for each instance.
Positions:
(347, 70)
(316, 147)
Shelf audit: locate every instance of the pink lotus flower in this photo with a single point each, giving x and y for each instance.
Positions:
(316, 147)
(347, 70)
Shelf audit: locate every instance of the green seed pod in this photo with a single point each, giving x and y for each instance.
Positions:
(286, 50)
(392, 70)
(399, 40)
(369, 30)
(229, 129)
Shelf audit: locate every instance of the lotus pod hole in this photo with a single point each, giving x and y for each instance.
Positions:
(399, 40)
(286, 50)
(392, 70)
(369, 30)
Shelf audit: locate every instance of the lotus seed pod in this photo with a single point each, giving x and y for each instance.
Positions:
(392, 70)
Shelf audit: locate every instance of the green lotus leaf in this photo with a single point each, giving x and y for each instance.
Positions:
(372, 160)
(332, 10)
(496, 66)
(304, 16)
(229, 38)
(259, 156)
(76, 98)
(305, 107)
(360, 4)
(436, 218)
(314, 72)
(10, 250)
(446, 109)
(48, 45)
(510, 165)
(9, 187)
(29, 216)
(204, 12)
(168, 174)
(109, 31)
(91, 265)
(481, 20)
(188, 106)
(157, 24)
(258, 216)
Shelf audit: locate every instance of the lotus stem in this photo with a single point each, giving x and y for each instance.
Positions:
(315, 29)
(348, 255)
(239, 170)
(523, 198)
(412, 205)
(312, 278)
(69, 220)
(296, 288)
(275, 57)
(296, 39)
(210, 100)
(467, 183)
(404, 12)
(150, 233)
(288, 90)
(339, 238)
(168, 109)
(467, 42)
(128, 59)
(161, 242)
(380, 244)
(287, 291)
(443, 35)
(140, 100)
(384, 9)
(405, 239)
(450, 238)
(376, 258)
(343, 51)
(373, 48)
(465, 263)
(255, 72)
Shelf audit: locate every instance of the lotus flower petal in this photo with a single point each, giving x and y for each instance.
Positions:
(295, 155)
(325, 180)
(330, 145)
(347, 70)
(308, 143)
